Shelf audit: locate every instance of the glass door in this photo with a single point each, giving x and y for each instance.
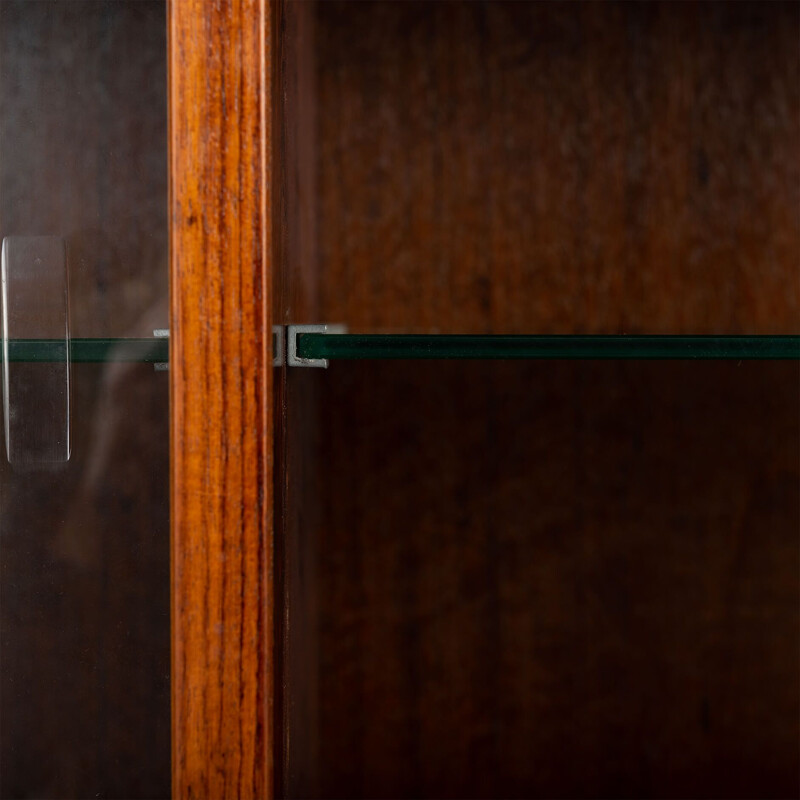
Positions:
(84, 503)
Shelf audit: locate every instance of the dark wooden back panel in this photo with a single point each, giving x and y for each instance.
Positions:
(552, 168)
(558, 580)
(549, 579)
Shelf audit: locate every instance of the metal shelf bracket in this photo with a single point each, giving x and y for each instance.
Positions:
(292, 331)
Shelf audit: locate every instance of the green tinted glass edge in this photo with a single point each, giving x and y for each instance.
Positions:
(89, 351)
(401, 346)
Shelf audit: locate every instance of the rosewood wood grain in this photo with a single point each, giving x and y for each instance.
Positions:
(222, 613)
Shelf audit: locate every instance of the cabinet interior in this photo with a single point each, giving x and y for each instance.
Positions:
(539, 578)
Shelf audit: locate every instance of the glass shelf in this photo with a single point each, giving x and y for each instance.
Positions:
(399, 346)
(89, 351)
(406, 346)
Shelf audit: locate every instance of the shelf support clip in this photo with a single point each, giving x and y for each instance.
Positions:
(292, 331)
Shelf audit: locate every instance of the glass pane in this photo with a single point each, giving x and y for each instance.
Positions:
(543, 579)
(84, 544)
(35, 306)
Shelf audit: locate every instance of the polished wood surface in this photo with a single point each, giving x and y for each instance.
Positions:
(220, 371)
(551, 579)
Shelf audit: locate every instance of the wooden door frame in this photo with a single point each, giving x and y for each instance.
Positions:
(220, 162)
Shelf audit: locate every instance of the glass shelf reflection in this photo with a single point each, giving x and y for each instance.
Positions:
(89, 351)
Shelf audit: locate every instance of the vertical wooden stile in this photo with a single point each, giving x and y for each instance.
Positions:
(220, 70)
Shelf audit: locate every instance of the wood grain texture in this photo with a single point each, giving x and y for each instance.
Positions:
(549, 168)
(221, 364)
(553, 579)
(84, 550)
(558, 579)
(295, 297)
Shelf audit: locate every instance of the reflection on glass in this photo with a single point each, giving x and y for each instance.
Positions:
(84, 544)
(35, 304)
